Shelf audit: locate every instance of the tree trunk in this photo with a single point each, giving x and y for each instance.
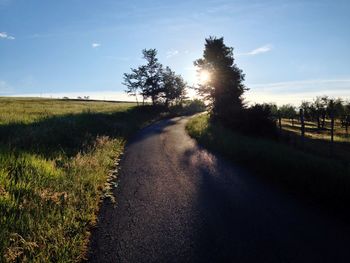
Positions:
(280, 122)
(137, 101)
(318, 122)
(323, 120)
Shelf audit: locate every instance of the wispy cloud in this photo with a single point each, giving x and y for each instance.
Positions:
(95, 45)
(4, 35)
(259, 50)
(305, 85)
(172, 53)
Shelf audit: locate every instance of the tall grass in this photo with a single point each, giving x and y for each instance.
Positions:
(56, 159)
(322, 179)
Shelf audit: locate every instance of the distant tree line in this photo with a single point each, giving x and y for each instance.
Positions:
(152, 81)
(318, 111)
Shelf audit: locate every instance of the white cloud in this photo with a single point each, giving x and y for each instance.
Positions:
(259, 50)
(172, 53)
(4, 35)
(95, 45)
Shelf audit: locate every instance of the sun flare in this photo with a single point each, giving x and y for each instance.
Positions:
(204, 76)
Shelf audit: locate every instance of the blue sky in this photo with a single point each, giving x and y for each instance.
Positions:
(289, 50)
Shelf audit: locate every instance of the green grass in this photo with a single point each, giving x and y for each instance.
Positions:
(56, 159)
(322, 179)
(318, 141)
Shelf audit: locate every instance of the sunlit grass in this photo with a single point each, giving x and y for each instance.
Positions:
(27, 110)
(340, 134)
(56, 159)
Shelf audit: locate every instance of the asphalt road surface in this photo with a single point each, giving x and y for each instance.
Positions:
(176, 202)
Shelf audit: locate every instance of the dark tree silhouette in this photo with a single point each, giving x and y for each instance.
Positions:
(133, 82)
(224, 88)
(152, 81)
(147, 78)
(174, 87)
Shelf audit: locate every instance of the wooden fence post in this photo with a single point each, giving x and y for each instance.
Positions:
(279, 120)
(332, 127)
(302, 126)
(332, 132)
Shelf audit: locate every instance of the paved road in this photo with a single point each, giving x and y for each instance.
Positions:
(179, 203)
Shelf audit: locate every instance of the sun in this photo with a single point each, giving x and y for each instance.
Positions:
(204, 76)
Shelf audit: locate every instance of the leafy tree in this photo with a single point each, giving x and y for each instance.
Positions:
(152, 75)
(318, 110)
(335, 108)
(133, 82)
(325, 102)
(287, 111)
(259, 120)
(174, 87)
(153, 81)
(224, 88)
(273, 109)
(306, 107)
(147, 77)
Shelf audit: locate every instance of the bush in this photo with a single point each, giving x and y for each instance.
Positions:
(258, 120)
(255, 120)
(188, 107)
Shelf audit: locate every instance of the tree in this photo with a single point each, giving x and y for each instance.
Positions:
(133, 82)
(152, 75)
(174, 87)
(146, 78)
(288, 111)
(224, 87)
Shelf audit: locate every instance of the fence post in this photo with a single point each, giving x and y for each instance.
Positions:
(332, 128)
(279, 120)
(302, 126)
(347, 119)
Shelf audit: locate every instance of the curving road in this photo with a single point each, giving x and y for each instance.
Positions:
(176, 202)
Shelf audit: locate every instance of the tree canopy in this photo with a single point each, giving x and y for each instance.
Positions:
(224, 87)
(153, 81)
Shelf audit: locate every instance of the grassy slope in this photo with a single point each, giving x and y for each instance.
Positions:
(55, 161)
(320, 178)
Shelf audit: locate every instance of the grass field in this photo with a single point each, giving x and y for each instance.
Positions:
(301, 170)
(317, 141)
(56, 159)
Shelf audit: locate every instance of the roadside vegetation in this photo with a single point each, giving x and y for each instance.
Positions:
(305, 150)
(303, 172)
(56, 159)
